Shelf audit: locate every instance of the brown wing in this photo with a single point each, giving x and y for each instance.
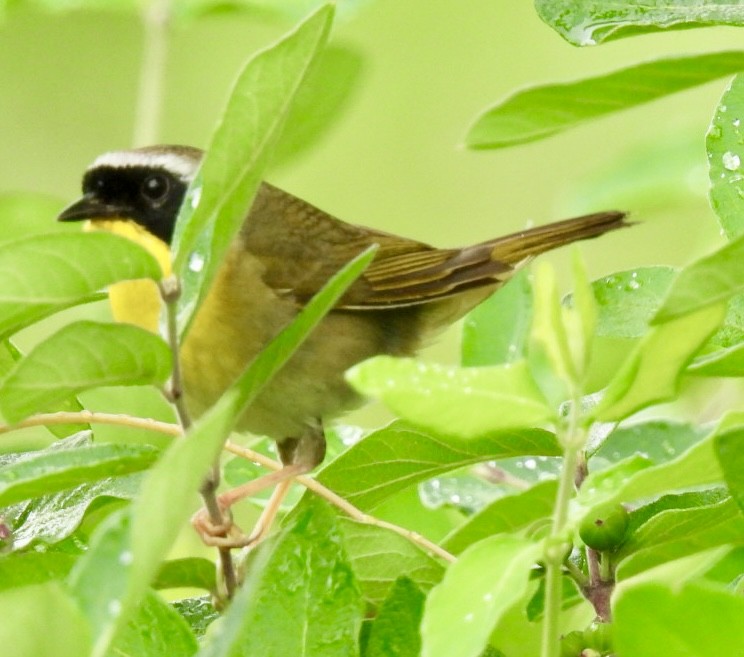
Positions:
(302, 247)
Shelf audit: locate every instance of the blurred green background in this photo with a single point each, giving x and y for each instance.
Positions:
(393, 156)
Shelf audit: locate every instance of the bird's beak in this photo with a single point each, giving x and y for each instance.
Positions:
(90, 207)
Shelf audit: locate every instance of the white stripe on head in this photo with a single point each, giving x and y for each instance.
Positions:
(182, 166)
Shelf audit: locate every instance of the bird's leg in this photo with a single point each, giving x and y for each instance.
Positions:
(299, 456)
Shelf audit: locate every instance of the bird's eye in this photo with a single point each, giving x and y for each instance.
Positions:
(155, 188)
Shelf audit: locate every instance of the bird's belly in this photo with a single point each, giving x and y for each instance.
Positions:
(238, 318)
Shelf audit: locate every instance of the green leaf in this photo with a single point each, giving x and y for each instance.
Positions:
(192, 572)
(466, 402)
(729, 449)
(80, 356)
(628, 300)
(590, 22)
(698, 466)
(220, 196)
(483, 584)
(378, 557)
(22, 569)
(42, 620)
(496, 330)
(155, 630)
(651, 373)
(397, 456)
(46, 472)
(694, 620)
(53, 518)
(395, 631)
(658, 440)
(506, 514)
(549, 356)
(725, 152)
(299, 598)
(677, 533)
(546, 110)
(43, 274)
(712, 279)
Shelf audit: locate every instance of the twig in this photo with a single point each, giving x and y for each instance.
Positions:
(170, 291)
(90, 417)
(339, 502)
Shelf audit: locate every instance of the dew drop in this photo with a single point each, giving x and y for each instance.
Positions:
(715, 132)
(126, 558)
(469, 618)
(731, 161)
(196, 262)
(114, 608)
(736, 123)
(195, 197)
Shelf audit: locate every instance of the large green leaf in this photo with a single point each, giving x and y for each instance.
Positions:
(42, 274)
(546, 110)
(80, 356)
(465, 402)
(299, 598)
(398, 456)
(477, 590)
(219, 198)
(589, 22)
(696, 620)
(725, 153)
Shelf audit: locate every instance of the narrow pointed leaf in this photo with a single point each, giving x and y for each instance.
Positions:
(546, 110)
(729, 448)
(712, 279)
(49, 472)
(651, 373)
(43, 274)
(465, 402)
(219, 198)
(506, 514)
(590, 22)
(80, 356)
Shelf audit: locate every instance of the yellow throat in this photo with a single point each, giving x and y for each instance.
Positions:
(136, 302)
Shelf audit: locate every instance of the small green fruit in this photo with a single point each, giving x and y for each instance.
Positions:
(572, 644)
(604, 529)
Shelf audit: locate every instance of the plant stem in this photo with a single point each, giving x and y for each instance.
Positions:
(155, 20)
(170, 291)
(572, 437)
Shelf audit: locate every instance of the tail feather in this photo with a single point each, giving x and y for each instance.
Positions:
(534, 241)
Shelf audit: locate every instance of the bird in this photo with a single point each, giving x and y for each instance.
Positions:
(284, 252)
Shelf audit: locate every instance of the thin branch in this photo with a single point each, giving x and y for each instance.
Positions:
(90, 417)
(170, 290)
(339, 502)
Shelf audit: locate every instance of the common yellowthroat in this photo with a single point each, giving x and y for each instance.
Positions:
(284, 253)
